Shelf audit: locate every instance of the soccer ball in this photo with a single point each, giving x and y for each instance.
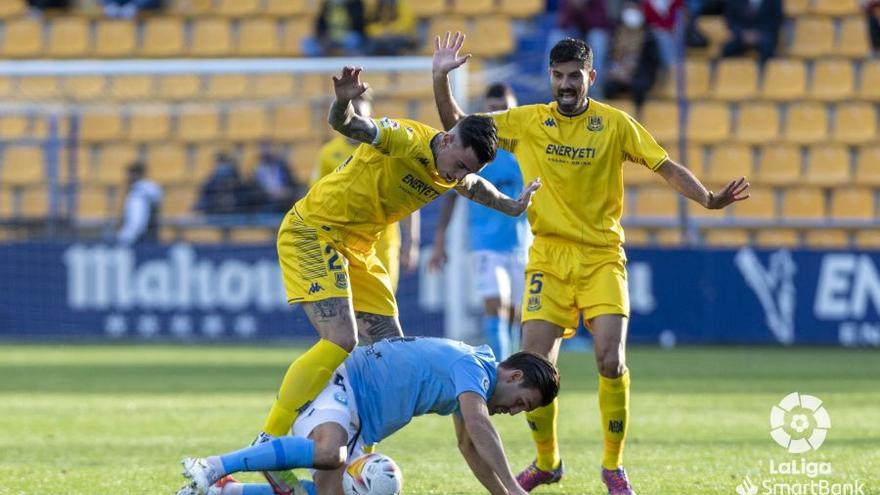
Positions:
(372, 474)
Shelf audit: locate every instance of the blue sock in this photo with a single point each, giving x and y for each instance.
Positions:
(257, 489)
(498, 335)
(309, 486)
(281, 453)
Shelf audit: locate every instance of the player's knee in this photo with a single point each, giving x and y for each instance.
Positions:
(611, 365)
(330, 456)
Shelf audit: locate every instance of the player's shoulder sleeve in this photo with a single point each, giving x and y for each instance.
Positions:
(400, 137)
(511, 123)
(469, 374)
(639, 146)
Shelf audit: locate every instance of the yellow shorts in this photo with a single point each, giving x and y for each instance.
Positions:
(316, 267)
(564, 279)
(388, 251)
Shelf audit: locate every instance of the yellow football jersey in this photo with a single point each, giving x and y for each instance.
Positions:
(378, 185)
(332, 155)
(580, 162)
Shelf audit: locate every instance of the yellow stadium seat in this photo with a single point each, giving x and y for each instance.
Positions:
(292, 122)
(7, 89)
(314, 85)
(281, 8)
(492, 36)
(660, 118)
(163, 37)
(428, 9)
(246, 123)
(656, 202)
(178, 201)
(202, 235)
(869, 85)
(868, 166)
(522, 8)
(807, 122)
(412, 84)
(167, 163)
(784, 80)
(668, 237)
(258, 37)
(179, 87)
(114, 38)
(100, 125)
(849, 203)
(23, 38)
(636, 174)
(757, 123)
(637, 237)
(855, 123)
(697, 76)
(695, 159)
(303, 158)
(273, 86)
(68, 37)
(714, 27)
(761, 205)
(227, 86)
(826, 238)
(192, 8)
(828, 165)
(399, 109)
(836, 7)
(780, 165)
(853, 41)
(708, 122)
(776, 238)
(129, 88)
(295, 31)
(203, 161)
(473, 7)
(727, 237)
(427, 114)
(12, 8)
(14, 126)
(148, 123)
(197, 123)
(22, 165)
(251, 235)
(729, 162)
(813, 37)
(237, 8)
(85, 88)
(794, 8)
(93, 202)
(113, 160)
(38, 87)
(833, 80)
(736, 79)
(868, 239)
(210, 37)
(803, 203)
(34, 202)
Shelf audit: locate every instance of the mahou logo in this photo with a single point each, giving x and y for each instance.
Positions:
(799, 423)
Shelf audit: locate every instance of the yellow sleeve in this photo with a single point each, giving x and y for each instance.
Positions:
(639, 146)
(508, 124)
(395, 138)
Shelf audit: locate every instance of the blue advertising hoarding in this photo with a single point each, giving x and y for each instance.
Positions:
(186, 292)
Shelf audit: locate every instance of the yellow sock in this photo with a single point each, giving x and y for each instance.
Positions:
(542, 421)
(614, 408)
(304, 380)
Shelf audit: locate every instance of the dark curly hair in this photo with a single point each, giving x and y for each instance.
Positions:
(479, 133)
(571, 49)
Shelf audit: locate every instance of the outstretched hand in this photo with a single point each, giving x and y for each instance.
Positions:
(735, 190)
(446, 58)
(525, 198)
(348, 85)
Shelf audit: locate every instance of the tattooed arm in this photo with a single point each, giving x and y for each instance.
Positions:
(342, 117)
(373, 327)
(481, 191)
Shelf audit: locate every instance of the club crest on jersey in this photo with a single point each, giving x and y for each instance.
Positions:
(387, 123)
(595, 124)
(549, 122)
(534, 303)
(341, 281)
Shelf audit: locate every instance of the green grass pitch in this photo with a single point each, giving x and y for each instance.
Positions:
(78, 420)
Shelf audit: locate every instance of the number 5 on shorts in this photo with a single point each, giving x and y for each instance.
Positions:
(536, 283)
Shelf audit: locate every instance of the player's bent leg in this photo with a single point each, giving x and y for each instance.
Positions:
(329, 482)
(334, 320)
(373, 327)
(609, 343)
(496, 326)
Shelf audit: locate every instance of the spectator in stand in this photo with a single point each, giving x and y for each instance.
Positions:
(48, 4)
(339, 29)
(872, 11)
(588, 20)
(222, 193)
(660, 18)
(391, 28)
(140, 218)
(753, 24)
(127, 9)
(634, 59)
(275, 182)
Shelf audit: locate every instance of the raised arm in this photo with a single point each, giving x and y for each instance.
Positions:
(342, 118)
(479, 467)
(487, 445)
(446, 60)
(683, 181)
(481, 191)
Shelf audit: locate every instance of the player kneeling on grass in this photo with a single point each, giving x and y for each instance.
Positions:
(377, 391)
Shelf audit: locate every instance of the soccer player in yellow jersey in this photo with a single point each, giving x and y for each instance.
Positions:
(577, 265)
(394, 250)
(326, 242)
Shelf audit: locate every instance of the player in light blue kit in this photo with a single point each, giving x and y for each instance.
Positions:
(497, 242)
(377, 391)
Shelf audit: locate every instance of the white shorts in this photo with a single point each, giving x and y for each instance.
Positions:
(500, 275)
(335, 404)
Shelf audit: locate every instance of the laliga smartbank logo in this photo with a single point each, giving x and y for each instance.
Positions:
(799, 423)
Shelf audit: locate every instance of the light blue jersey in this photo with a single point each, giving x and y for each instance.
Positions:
(397, 379)
(492, 230)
